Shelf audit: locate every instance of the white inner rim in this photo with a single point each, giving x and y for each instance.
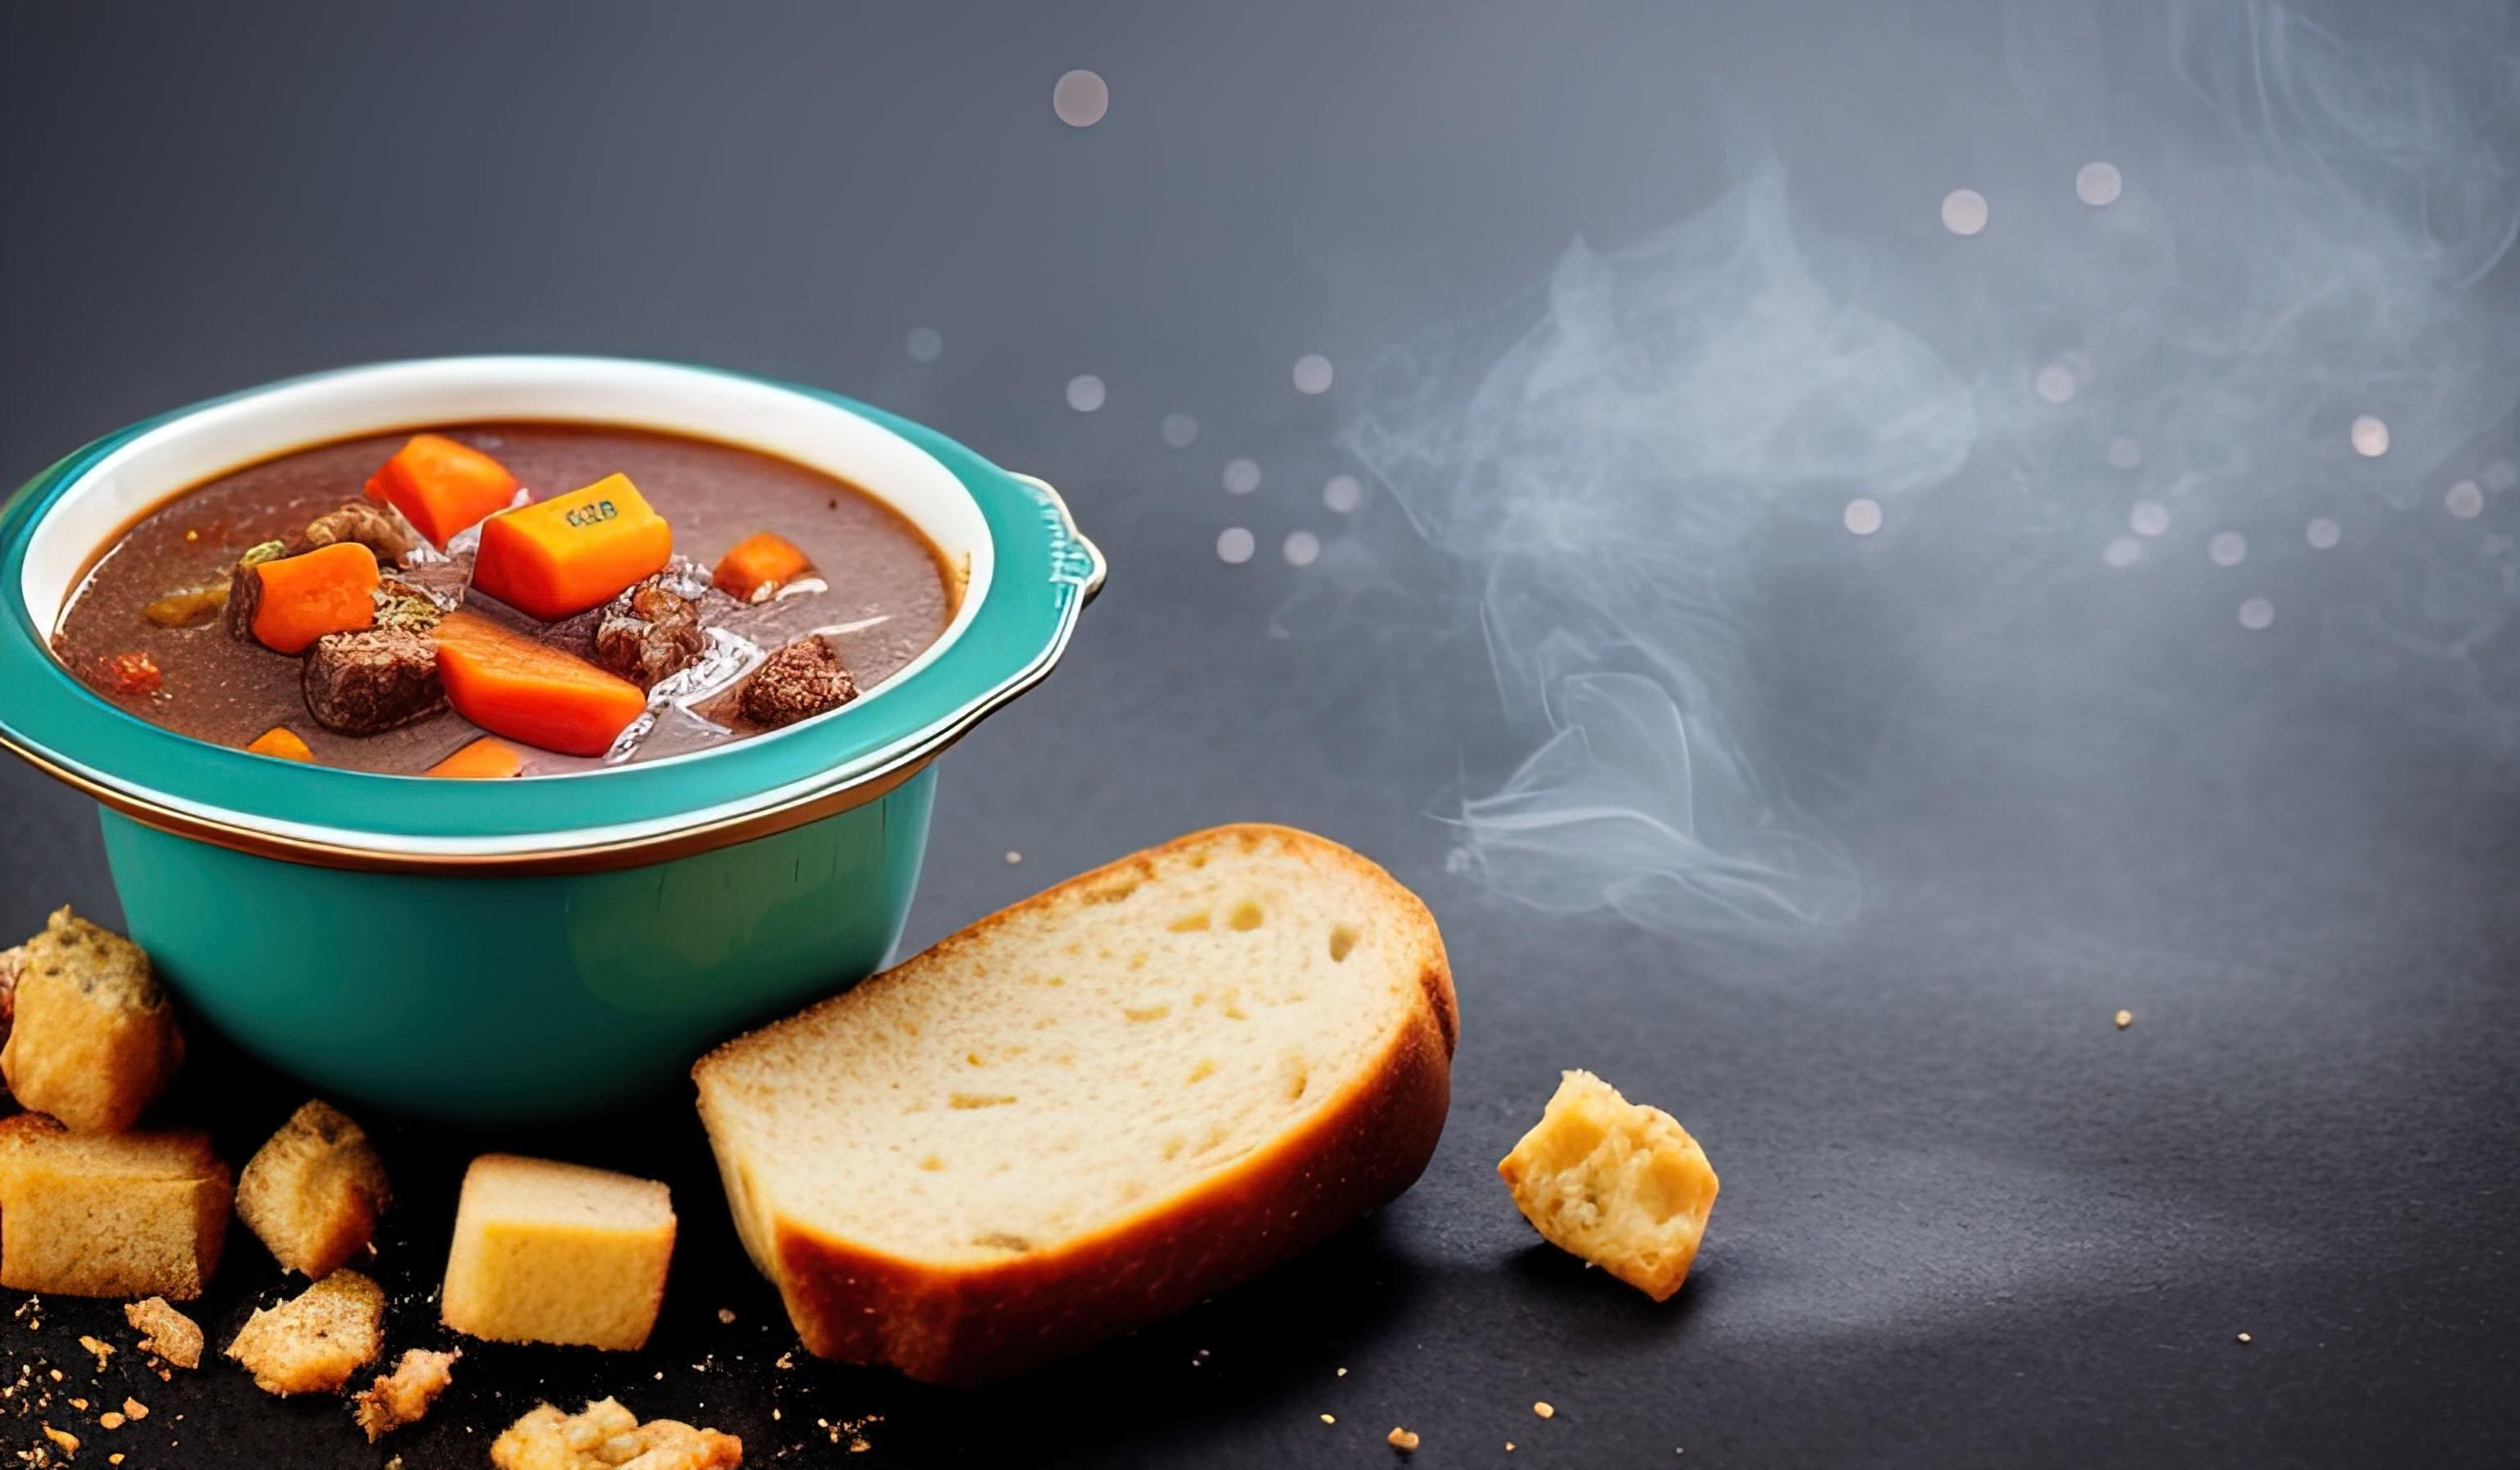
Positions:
(467, 390)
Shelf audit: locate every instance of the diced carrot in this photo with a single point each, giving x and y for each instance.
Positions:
(572, 552)
(758, 565)
(328, 590)
(511, 684)
(441, 486)
(282, 741)
(488, 758)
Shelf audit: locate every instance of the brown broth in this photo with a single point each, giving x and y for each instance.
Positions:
(877, 564)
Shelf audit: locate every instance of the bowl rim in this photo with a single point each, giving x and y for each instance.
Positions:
(1030, 581)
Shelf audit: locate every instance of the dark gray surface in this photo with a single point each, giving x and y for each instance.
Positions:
(1965, 1219)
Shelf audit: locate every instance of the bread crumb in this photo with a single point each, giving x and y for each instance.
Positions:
(315, 1341)
(1509, 1447)
(68, 1442)
(1401, 1440)
(2245, 1337)
(166, 1331)
(133, 1408)
(606, 1434)
(1328, 1419)
(312, 1192)
(1342, 1372)
(1544, 1409)
(1014, 857)
(726, 1314)
(108, 1419)
(114, 1458)
(102, 1350)
(1617, 1184)
(2125, 1018)
(79, 1403)
(404, 1396)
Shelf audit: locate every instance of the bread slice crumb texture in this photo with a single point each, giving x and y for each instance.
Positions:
(1082, 1058)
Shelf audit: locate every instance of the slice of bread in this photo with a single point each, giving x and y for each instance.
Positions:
(110, 1215)
(313, 1341)
(558, 1253)
(1091, 1109)
(93, 1038)
(313, 1191)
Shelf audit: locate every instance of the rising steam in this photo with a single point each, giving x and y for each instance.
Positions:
(1625, 473)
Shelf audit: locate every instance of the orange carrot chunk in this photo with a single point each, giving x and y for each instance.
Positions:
(441, 486)
(758, 565)
(132, 674)
(282, 741)
(485, 759)
(572, 552)
(510, 684)
(328, 590)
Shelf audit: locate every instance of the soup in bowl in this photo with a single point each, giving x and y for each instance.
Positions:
(485, 737)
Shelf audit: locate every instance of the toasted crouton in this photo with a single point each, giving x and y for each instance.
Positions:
(93, 1041)
(313, 1193)
(312, 1343)
(165, 1332)
(403, 1395)
(606, 1434)
(110, 1215)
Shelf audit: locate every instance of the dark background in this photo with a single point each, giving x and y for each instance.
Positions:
(1965, 1219)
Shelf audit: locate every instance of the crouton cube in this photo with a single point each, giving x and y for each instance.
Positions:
(403, 1397)
(166, 1331)
(93, 1041)
(605, 1434)
(312, 1194)
(1620, 1185)
(110, 1215)
(313, 1341)
(554, 1253)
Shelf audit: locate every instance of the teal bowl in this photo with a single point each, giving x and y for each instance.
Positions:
(503, 952)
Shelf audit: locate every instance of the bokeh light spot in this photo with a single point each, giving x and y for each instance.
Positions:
(2257, 614)
(2054, 382)
(1080, 98)
(1303, 548)
(1312, 374)
(1241, 477)
(1235, 546)
(926, 344)
(2148, 517)
(2371, 437)
(2465, 499)
(1964, 211)
(1085, 392)
(1342, 493)
(1863, 515)
(2125, 453)
(2323, 534)
(2098, 184)
(2123, 552)
(2227, 548)
(1180, 430)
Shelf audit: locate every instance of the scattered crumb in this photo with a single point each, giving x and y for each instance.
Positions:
(2245, 1337)
(548, 1440)
(1342, 1372)
(110, 1420)
(404, 1396)
(726, 1314)
(2125, 1018)
(1401, 1440)
(102, 1350)
(1509, 1447)
(167, 1332)
(136, 1410)
(1329, 1419)
(79, 1403)
(115, 1458)
(56, 1375)
(1544, 1409)
(68, 1442)
(787, 1360)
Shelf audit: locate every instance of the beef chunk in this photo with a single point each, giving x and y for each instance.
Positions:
(362, 682)
(650, 632)
(380, 528)
(405, 608)
(804, 677)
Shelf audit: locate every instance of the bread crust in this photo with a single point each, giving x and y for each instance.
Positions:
(970, 1324)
